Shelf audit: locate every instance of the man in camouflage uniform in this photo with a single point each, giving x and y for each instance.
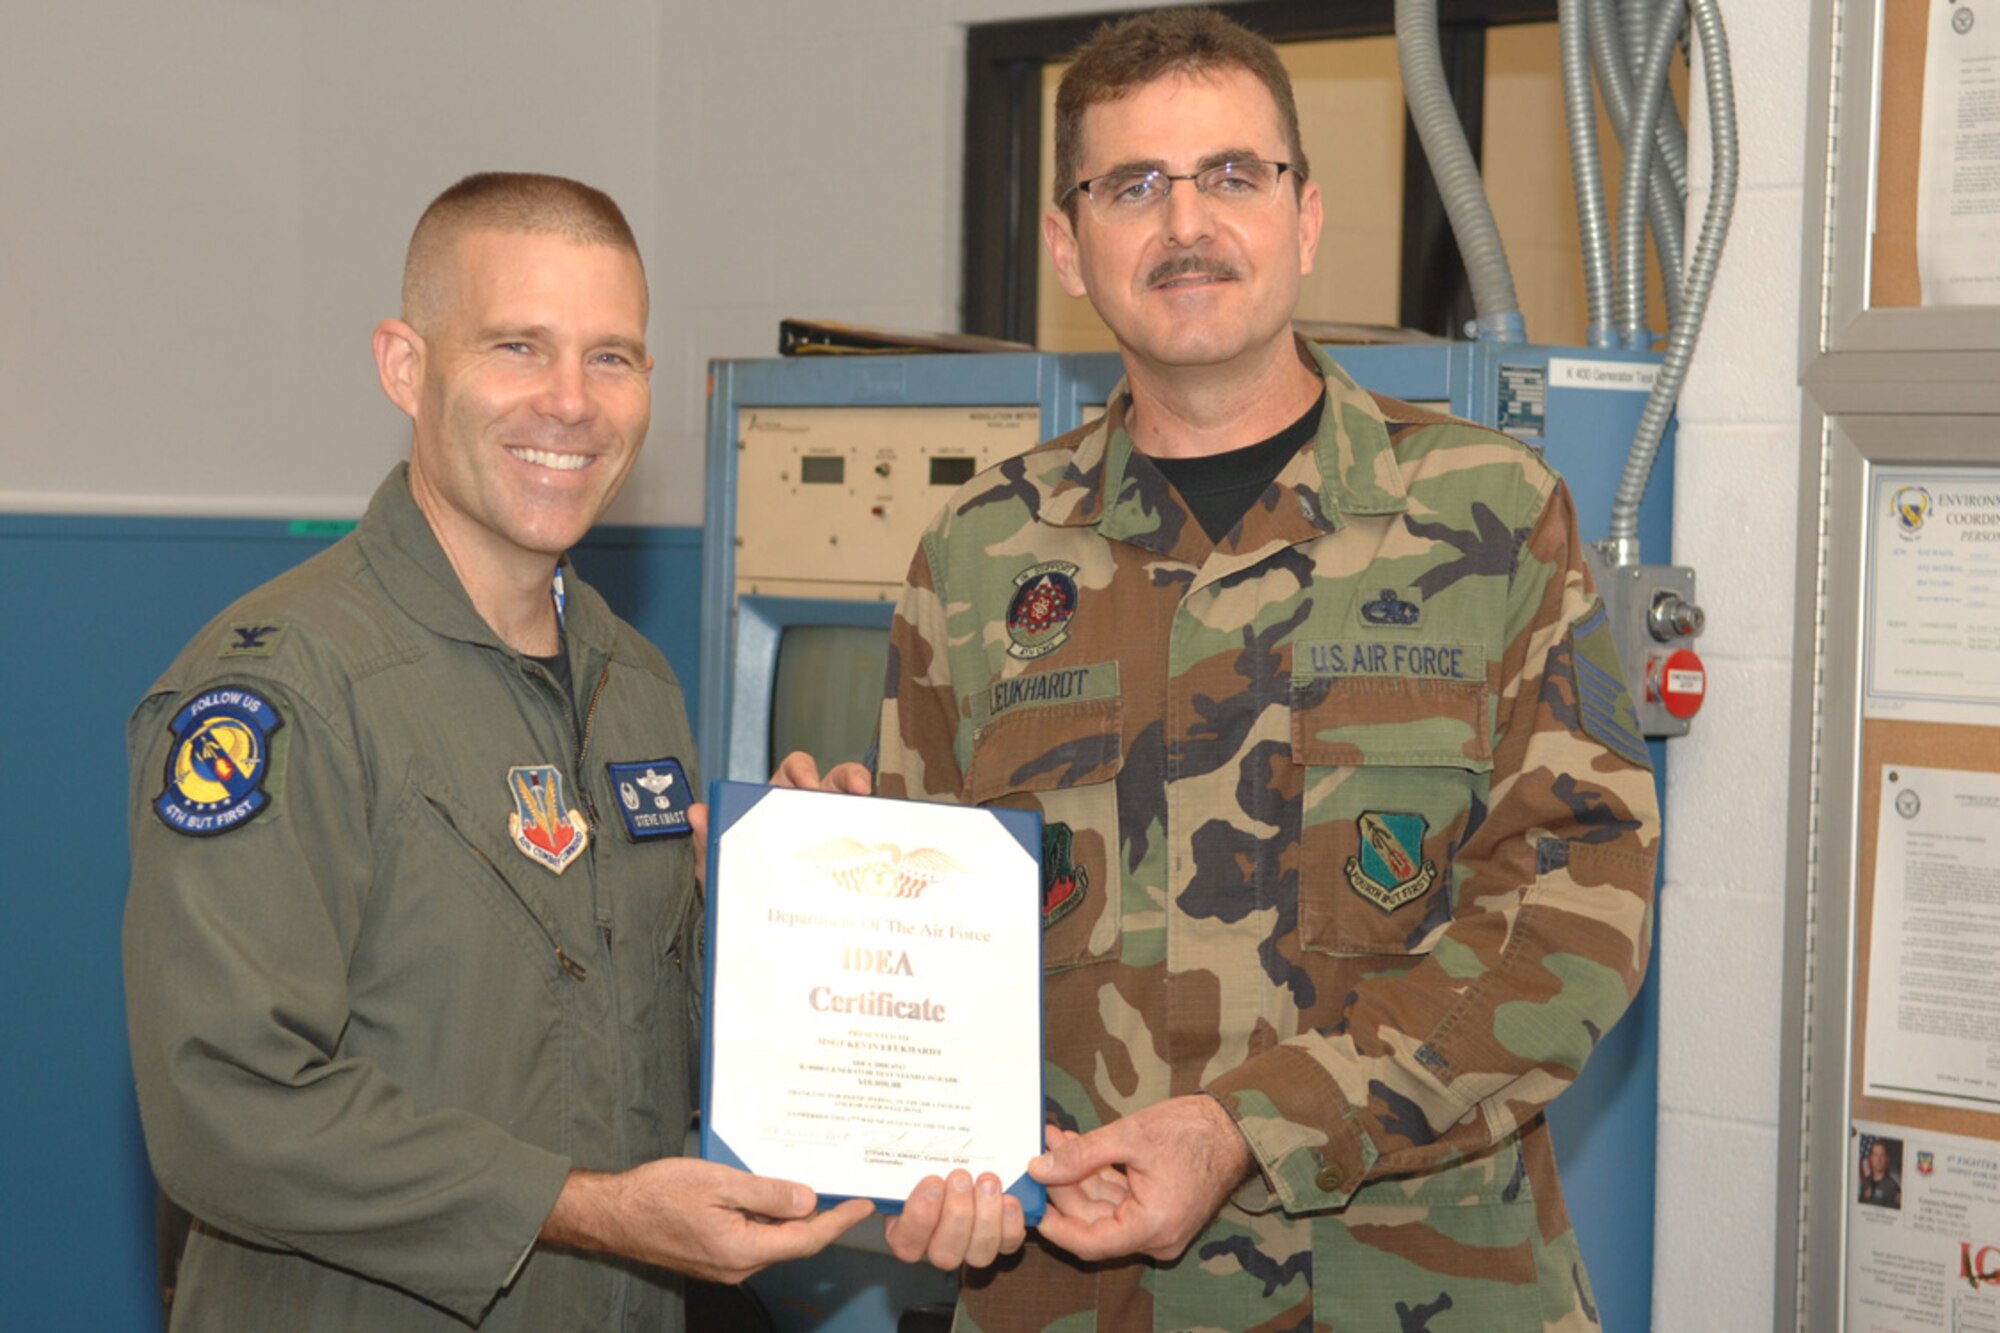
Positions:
(1349, 833)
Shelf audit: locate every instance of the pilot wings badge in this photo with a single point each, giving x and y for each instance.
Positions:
(881, 870)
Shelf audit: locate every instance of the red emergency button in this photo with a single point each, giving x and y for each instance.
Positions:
(1678, 682)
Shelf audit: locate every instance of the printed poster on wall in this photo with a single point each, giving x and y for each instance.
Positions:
(1933, 1010)
(1933, 652)
(1923, 1226)
(1958, 174)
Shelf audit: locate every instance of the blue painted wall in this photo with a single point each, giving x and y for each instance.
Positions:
(94, 609)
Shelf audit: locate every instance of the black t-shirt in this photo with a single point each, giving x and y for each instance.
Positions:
(1220, 488)
(557, 666)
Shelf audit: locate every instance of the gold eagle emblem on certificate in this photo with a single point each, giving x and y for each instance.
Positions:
(880, 870)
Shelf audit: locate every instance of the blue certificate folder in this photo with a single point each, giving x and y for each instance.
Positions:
(729, 803)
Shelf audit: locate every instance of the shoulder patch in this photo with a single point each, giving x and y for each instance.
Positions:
(653, 797)
(220, 760)
(1603, 704)
(252, 638)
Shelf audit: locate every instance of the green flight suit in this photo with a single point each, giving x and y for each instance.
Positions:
(371, 1035)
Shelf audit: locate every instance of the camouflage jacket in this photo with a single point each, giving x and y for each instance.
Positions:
(1347, 823)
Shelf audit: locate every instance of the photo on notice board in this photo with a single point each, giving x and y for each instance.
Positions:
(1881, 1171)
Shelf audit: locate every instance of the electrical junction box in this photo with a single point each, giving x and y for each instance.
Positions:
(1655, 619)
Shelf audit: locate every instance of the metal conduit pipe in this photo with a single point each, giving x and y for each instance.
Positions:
(1622, 546)
(1586, 169)
(1443, 137)
(1669, 135)
(1633, 199)
(1663, 206)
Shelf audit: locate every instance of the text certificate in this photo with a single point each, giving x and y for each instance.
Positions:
(874, 991)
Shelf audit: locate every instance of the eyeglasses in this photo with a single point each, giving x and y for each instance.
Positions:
(1124, 196)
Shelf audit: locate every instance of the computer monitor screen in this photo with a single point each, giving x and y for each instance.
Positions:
(828, 691)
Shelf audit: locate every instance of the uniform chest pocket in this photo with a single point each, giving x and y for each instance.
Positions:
(1062, 760)
(1395, 771)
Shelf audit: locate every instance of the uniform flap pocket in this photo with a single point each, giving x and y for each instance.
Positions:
(1045, 748)
(1415, 721)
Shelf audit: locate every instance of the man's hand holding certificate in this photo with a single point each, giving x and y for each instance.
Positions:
(874, 1011)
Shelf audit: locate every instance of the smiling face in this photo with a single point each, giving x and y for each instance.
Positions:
(529, 388)
(1191, 283)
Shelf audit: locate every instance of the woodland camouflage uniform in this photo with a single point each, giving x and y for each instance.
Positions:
(1348, 823)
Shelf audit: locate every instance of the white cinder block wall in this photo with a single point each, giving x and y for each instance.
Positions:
(205, 205)
(1735, 521)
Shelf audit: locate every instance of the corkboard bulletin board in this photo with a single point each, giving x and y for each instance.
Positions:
(1892, 274)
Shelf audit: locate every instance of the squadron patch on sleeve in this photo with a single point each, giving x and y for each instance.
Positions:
(654, 798)
(221, 756)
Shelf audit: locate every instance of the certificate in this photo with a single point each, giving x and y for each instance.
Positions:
(874, 1008)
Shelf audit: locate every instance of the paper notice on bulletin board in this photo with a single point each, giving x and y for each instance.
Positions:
(1923, 1226)
(1958, 193)
(1933, 1008)
(1933, 651)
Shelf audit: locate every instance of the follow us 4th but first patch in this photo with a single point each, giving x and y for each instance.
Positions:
(221, 758)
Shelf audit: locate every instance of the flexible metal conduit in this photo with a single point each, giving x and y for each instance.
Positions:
(1664, 205)
(1586, 168)
(1623, 544)
(1639, 167)
(1670, 137)
(1443, 138)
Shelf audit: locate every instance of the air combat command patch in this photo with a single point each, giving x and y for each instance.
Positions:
(544, 830)
(220, 758)
(1388, 871)
(1038, 616)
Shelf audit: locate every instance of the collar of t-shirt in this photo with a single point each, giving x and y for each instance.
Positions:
(558, 665)
(1219, 489)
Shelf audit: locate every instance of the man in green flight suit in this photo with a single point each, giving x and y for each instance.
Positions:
(1350, 833)
(411, 951)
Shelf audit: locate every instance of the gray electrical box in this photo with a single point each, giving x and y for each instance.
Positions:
(1655, 618)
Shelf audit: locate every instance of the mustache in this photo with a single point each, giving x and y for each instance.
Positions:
(1187, 266)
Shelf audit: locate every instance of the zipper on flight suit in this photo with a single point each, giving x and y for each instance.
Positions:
(583, 743)
(601, 914)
